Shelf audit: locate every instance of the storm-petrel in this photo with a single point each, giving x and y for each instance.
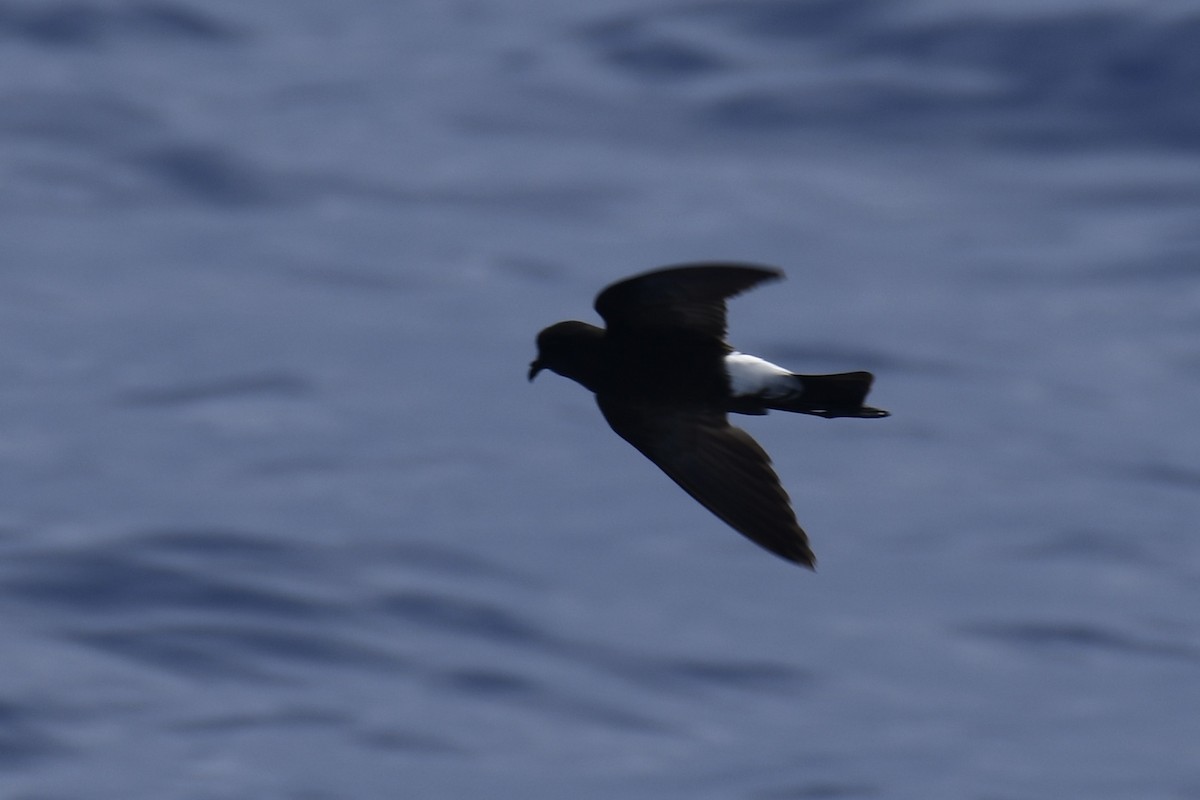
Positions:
(665, 379)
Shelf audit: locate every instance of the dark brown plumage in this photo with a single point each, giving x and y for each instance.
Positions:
(664, 384)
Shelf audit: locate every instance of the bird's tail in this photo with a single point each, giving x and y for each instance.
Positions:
(839, 395)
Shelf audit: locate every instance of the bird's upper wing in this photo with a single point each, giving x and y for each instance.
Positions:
(688, 298)
(720, 466)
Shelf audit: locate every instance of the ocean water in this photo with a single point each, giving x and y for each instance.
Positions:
(281, 517)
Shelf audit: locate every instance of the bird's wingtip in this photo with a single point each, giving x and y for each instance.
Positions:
(803, 558)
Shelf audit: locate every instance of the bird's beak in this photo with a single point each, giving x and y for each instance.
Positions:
(534, 369)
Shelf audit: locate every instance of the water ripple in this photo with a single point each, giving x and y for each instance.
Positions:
(212, 544)
(821, 791)
(1168, 475)
(484, 621)
(239, 652)
(468, 617)
(496, 684)
(629, 45)
(77, 118)
(80, 24)
(1077, 637)
(22, 740)
(1044, 81)
(283, 385)
(207, 174)
(98, 583)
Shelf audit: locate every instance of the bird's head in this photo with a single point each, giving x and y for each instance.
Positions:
(570, 349)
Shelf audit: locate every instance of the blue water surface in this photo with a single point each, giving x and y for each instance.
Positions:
(282, 518)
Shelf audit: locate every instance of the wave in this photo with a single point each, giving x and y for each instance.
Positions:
(1105, 77)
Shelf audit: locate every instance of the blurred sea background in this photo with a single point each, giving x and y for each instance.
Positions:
(281, 517)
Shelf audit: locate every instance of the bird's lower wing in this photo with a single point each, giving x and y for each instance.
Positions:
(720, 466)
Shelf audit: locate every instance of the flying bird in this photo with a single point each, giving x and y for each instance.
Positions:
(665, 380)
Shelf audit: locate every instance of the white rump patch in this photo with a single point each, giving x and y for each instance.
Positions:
(751, 375)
